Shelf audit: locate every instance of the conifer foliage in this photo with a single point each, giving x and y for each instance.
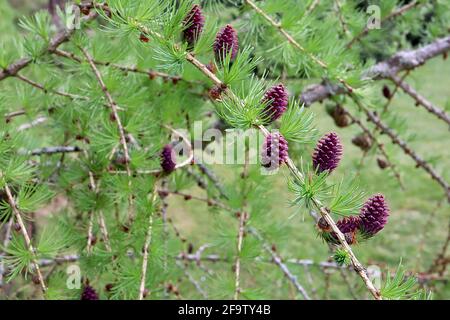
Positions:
(98, 147)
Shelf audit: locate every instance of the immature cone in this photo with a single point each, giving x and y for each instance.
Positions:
(327, 153)
(382, 163)
(89, 293)
(323, 225)
(168, 159)
(386, 92)
(349, 224)
(363, 141)
(274, 151)
(339, 115)
(193, 23)
(374, 215)
(226, 43)
(277, 99)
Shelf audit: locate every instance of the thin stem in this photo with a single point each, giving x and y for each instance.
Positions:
(148, 240)
(293, 42)
(150, 73)
(210, 202)
(103, 228)
(212, 176)
(61, 37)
(357, 265)
(114, 109)
(113, 106)
(32, 124)
(53, 150)
(5, 246)
(405, 147)
(26, 237)
(380, 147)
(341, 17)
(279, 262)
(243, 217)
(421, 100)
(90, 239)
(311, 7)
(45, 90)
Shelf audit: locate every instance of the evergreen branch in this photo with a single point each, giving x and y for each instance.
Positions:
(323, 264)
(324, 212)
(380, 147)
(103, 229)
(61, 37)
(157, 172)
(45, 90)
(32, 124)
(53, 150)
(148, 240)
(113, 106)
(394, 92)
(326, 215)
(14, 68)
(237, 263)
(25, 235)
(390, 16)
(150, 73)
(165, 235)
(11, 115)
(201, 183)
(341, 17)
(420, 100)
(59, 260)
(279, 262)
(90, 238)
(209, 202)
(198, 256)
(212, 176)
(405, 147)
(293, 42)
(311, 7)
(243, 217)
(94, 187)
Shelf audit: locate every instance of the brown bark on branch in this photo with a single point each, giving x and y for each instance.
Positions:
(406, 149)
(401, 61)
(420, 100)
